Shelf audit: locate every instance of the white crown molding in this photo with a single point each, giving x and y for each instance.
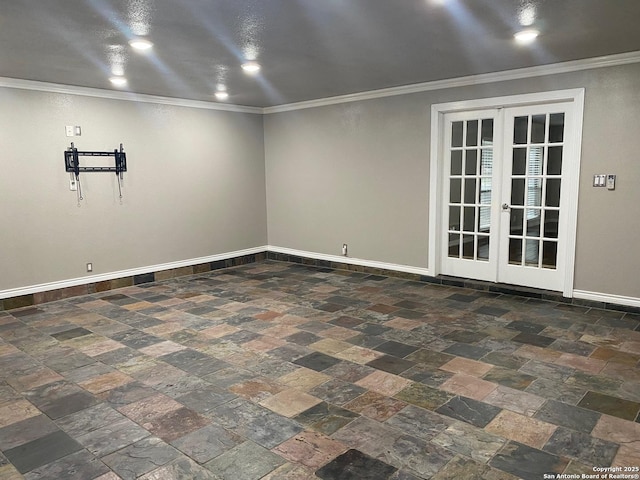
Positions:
(607, 298)
(516, 74)
(121, 95)
(74, 282)
(351, 261)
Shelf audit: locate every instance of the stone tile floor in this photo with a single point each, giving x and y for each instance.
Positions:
(280, 371)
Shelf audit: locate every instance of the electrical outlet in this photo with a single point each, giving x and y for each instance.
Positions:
(89, 267)
(344, 249)
(73, 185)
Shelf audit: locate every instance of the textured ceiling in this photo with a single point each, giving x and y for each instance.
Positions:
(308, 49)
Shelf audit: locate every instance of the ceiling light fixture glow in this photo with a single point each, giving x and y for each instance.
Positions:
(527, 15)
(141, 44)
(526, 37)
(222, 95)
(118, 81)
(251, 67)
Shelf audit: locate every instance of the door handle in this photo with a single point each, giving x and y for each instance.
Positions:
(505, 207)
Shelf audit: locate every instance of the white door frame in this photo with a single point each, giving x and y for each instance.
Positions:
(570, 184)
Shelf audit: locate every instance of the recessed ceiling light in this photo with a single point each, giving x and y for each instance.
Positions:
(251, 67)
(141, 44)
(118, 81)
(526, 37)
(222, 95)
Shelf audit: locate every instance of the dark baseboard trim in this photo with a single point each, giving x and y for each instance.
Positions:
(489, 287)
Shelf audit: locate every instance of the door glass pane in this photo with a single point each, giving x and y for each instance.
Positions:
(456, 134)
(552, 198)
(531, 253)
(467, 246)
(519, 161)
(536, 157)
(484, 220)
(516, 221)
(533, 223)
(454, 218)
(549, 254)
(534, 192)
(486, 162)
(515, 251)
(554, 162)
(485, 191)
(483, 247)
(556, 127)
(517, 191)
(487, 132)
(520, 127)
(538, 128)
(472, 133)
(551, 223)
(454, 245)
(456, 162)
(469, 190)
(455, 189)
(469, 219)
(471, 165)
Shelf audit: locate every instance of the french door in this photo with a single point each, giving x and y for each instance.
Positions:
(508, 194)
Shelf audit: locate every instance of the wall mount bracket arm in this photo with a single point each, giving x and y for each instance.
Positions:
(72, 164)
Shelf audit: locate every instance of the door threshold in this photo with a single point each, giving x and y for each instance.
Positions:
(501, 288)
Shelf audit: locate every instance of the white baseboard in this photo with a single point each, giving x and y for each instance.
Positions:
(351, 261)
(73, 282)
(607, 298)
(43, 287)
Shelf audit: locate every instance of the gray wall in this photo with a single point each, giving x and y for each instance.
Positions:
(195, 186)
(358, 173)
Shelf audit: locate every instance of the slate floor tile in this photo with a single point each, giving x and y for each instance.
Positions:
(469, 410)
(610, 405)
(417, 456)
(419, 422)
(471, 442)
(183, 468)
(105, 440)
(290, 402)
(390, 364)
(521, 428)
(355, 465)
(80, 465)
(247, 461)
(42, 451)
(533, 339)
(526, 462)
(176, 423)
(325, 418)
(396, 349)
(369, 436)
(337, 391)
(375, 406)
(423, 396)
(317, 361)
(509, 378)
(581, 446)
(312, 449)
(140, 457)
(26, 430)
(183, 370)
(207, 443)
(568, 416)
(89, 419)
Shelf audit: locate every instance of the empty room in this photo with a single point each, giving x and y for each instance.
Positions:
(304, 239)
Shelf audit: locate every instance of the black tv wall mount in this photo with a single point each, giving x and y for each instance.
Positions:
(72, 165)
